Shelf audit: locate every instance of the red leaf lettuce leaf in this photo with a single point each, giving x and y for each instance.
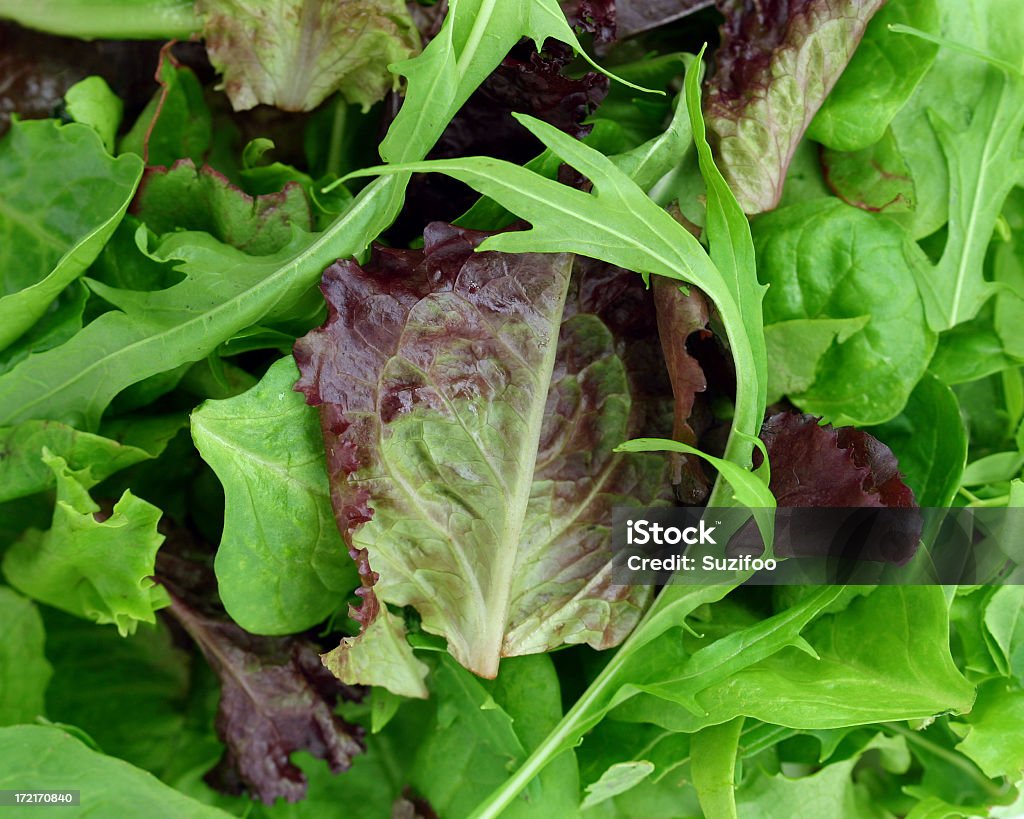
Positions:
(470, 404)
(276, 695)
(777, 62)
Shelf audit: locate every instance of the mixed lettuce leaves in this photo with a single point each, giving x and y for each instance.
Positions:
(312, 424)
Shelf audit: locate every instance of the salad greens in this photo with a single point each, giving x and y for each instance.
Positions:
(327, 353)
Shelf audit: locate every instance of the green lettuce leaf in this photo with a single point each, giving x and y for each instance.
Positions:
(24, 670)
(281, 565)
(293, 54)
(63, 195)
(39, 758)
(100, 569)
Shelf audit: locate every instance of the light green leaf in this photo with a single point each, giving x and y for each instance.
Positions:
(829, 792)
(175, 124)
(929, 441)
(1001, 466)
(796, 347)
(996, 737)
(880, 78)
(1004, 621)
(828, 261)
(63, 195)
(39, 758)
(98, 570)
(92, 103)
(281, 566)
(379, 656)
(875, 179)
(619, 778)
(863, 672)
(293, 54)
(24, 671)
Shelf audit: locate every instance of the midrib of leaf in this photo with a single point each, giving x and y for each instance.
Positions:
(476, 34)
(997, 137)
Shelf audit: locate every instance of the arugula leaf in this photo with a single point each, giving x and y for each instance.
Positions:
(281, 564)
(714, 767)
(819, 259)
(24, 671)
(63, 196)
(37, 757)
(994, 739)
(293, 54)
(100, 569)
(859, 672)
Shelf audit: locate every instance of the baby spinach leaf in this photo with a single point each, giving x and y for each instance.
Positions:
(880, 78)
(63, 195)
(822, 262)
(492, 452)
(24, 671)
(768, 86)
(99, 568)
(281, 565)
(37, 757)
(796, 347)
(875, 179)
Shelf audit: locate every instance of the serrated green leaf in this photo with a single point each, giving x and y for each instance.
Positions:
(102, 571)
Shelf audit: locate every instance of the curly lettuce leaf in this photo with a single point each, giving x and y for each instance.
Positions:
(96, 566)
(62, 197)
(470, 435)
(293, 54)
(776, 65)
